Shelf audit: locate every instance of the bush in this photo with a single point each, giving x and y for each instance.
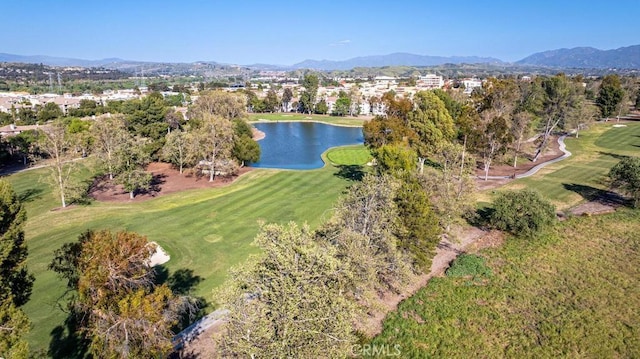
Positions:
(468, 265)
(625, 175)
(524, 213)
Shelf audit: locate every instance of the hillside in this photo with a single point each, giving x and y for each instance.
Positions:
(587, 57)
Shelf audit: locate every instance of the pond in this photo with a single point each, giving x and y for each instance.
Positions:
(298, 145)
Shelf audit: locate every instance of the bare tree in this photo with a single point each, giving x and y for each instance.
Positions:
(520, 125)
(56, 142)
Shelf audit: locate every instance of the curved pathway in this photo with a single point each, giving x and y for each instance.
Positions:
(537, 168)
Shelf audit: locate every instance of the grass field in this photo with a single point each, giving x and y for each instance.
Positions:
(573, 294)
(567, 183)
(334, 120)
(349, 155)
(207, 231)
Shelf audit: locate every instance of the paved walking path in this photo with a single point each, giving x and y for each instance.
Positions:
(537, 168)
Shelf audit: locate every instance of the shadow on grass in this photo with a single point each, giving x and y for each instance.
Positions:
(66, 342)
(614, 155)
(30, 195)
(351, 172)
(481, 218)
(601, 196)
(183, 282)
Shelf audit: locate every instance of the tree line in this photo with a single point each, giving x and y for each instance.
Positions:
(216, 140)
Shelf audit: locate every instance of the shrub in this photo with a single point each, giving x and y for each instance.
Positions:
(468, 265)
(625, 175)
(524, 213)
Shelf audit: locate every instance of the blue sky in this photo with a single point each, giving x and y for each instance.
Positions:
(286, 32)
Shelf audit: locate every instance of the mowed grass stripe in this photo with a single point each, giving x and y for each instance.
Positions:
(588, 166)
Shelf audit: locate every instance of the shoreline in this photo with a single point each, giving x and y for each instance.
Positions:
(257, 134)
(264, 120)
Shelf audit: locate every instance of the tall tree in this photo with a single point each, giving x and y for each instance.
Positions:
(355, 99)
(214, 142)
(287, 96)
(110, 138)
(491, 140)
(418, 231)
(14, 326)
(394, 158)
(610, 95)
(520, 126)
(561, 96)
(343, 104)
(499, 97)
(581, 117)
(380, 131)
(310, 83)
(394, 106)
(432, 125)
(15, 280)
(176, 149)
(369, 211)
(131, 172)
(57, 144)
(50, 111)
(289, 302)
(271, 101)
(123, 313)
(451, 185)
(223, 104)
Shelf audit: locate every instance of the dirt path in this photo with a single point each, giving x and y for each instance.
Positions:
(470, 238)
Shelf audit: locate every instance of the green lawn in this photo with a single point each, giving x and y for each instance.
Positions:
(567, 182)
(335, 120)
(349, 155)
(207, 230)
(572, 294)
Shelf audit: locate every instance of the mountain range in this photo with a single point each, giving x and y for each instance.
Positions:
(395, 59)
(579, 57)
(58, 61)
(587, 57)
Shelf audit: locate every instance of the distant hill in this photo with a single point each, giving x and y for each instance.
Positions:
(396, 59)
(587, 58)
(57, 61)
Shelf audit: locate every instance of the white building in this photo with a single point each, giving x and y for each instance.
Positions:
(470, 84)
(431, 81)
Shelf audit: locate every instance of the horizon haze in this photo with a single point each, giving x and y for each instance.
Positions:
(288, 32)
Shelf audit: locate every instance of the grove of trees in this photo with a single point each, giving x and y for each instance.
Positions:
(15, 280)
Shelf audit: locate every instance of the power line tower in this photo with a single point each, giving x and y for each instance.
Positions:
(50, 82)
(59, 83)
